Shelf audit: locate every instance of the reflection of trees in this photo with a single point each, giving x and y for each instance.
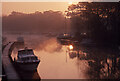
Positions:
(103, 64)
(110, 67)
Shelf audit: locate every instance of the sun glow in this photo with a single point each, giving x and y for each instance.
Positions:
(70, 2)
(70, 47)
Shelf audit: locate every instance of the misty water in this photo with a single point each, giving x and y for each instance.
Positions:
(57, 62)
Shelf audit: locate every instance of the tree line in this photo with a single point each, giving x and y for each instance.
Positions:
(100, 20)
(37, 22)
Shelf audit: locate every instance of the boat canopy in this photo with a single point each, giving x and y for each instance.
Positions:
(26, 53)
(24, 56)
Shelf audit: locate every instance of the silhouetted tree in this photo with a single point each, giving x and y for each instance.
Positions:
(99, 19)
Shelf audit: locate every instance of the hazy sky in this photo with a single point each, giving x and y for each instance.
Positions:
(56, 0)
(28, 6)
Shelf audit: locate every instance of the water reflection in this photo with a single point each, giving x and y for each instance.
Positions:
(103, 64)
(57, 62)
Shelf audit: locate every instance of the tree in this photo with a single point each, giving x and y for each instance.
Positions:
(99, 19)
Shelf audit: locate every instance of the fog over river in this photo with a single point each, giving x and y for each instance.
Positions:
(56, 61)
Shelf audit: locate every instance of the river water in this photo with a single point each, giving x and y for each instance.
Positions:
(57, 62)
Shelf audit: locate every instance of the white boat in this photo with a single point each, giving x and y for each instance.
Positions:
(27, 60)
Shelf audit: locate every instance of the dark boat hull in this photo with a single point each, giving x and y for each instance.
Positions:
(28, 66)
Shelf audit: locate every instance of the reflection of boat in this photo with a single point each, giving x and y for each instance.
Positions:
(27, 60)
(72, 54)
(78, 53)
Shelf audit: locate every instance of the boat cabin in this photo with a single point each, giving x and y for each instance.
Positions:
(26, 55)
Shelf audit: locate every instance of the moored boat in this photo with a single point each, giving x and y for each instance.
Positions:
(26, 60)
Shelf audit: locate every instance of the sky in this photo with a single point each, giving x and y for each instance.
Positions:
(30, 6)
(56, 0)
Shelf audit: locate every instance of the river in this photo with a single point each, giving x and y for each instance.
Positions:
(57, 62)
